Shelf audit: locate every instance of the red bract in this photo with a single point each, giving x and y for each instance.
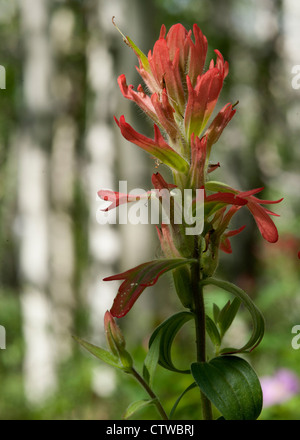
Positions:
(157, 146)
(225, 245)
(261, 215)
(139, 97)
(117, 198)
(217, 126)
(202, 100)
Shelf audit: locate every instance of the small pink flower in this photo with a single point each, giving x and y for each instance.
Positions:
(280, 387)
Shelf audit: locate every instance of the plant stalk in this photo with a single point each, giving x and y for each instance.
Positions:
(151, 393)
(199, 312)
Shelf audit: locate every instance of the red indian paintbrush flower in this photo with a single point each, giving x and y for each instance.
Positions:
(181, 98)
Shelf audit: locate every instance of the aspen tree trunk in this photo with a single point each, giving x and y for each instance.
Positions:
(110, 159)
(33, 201)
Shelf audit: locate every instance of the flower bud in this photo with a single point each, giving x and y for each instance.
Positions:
(116, 341)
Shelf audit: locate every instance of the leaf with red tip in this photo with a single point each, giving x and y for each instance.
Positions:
(137, 279)
(157, 146)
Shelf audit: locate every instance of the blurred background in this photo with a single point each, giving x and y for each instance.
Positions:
(59, 145)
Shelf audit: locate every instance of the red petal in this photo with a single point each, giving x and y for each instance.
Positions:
(217, 126)
(264, 222)
(157, 146)
(235, 231)
(224, 197)
(225, 245)
(159, 182)
(119, 198)
(140, 98)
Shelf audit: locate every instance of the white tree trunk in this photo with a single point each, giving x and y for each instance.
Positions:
(39, 362)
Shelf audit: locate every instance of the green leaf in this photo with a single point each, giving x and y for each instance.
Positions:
(151, 360)
(212, 331)
(216, 312)
(139, 53)
(257, 318)
(167, 332)
(100, 353)
(218, 186)
(136, 406)
(228, 314)
(193, 385)
(231, 384)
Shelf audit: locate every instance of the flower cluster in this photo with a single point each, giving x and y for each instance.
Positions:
(180, 96)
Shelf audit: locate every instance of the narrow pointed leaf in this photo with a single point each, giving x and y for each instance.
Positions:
(232, 385)
(100, 353)
(212, 331)
(151, 360)
(230, 314)
(167, 332)
(193, 385)
(136, 406)
(216, 312)
(143, 58)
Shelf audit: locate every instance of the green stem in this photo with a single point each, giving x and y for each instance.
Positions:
(151, 393)
(199, 312)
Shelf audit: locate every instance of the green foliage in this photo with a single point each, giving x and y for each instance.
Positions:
(228, 312)
(166, 333)
(232, 385)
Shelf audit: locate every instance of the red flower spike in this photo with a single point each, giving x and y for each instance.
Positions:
(137, 279)
(157, 147)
